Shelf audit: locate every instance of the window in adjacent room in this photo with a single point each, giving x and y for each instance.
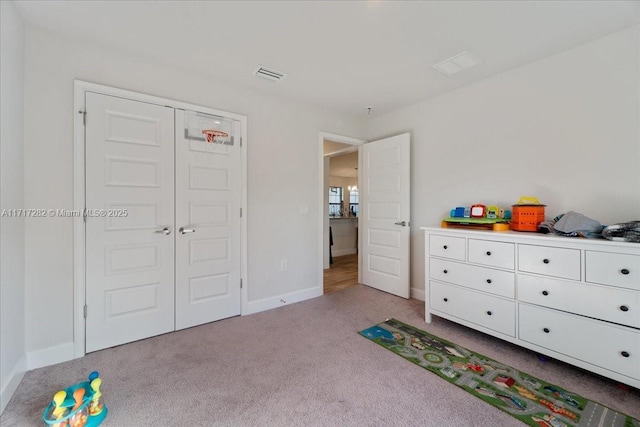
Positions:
(353, 202)
(335, 201)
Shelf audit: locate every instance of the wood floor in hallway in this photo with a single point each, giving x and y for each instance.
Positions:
(342, 274)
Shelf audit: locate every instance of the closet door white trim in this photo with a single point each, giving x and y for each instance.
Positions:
(79, 192)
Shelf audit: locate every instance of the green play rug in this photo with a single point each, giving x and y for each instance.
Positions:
(531, 400)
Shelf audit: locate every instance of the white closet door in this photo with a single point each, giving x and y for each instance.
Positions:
(129, 259)
(208, 201)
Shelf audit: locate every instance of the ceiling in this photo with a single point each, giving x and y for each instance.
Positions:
(331, 148)
(341, 55)
(344, 165)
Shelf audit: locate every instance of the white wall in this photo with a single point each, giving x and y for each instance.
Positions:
(282, 156)
(345, 236)
(12, 299)
(565, 129)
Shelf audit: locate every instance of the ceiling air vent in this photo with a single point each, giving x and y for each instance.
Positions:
(456, 63)
(269, 74)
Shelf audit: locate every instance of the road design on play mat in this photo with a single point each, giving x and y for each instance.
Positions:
(533, 401)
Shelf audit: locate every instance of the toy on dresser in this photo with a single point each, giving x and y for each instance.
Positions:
(80, 405)
(478, 216)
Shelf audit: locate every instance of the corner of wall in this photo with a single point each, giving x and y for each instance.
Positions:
(13, 358)
(50, 355)
(418, 294)
(12, 382)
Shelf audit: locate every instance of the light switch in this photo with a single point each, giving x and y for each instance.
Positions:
(303, 209)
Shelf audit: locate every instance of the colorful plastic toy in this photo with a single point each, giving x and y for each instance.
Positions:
(80, 405)
(478, 210)
(458, 212)
(492, 212)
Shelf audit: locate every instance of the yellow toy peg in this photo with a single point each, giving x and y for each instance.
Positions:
(96, 406)
(58, 398)
(58, 410)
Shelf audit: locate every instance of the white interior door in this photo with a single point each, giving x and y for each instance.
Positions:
(208, 201)
(385, 214)
(129, 148)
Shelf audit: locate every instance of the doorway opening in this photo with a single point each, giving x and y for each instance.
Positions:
(340, 212)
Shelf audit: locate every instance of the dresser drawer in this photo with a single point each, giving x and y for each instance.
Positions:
(447, 247)
(557, 262)
(613, 269)
(482, 309)
(470, 276)
(603, 344)
(601, 302)
(493, 254)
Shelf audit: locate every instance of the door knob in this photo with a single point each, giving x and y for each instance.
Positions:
(186, 230)
(166, 231)
(402, 223)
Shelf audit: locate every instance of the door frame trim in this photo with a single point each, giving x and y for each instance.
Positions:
(80, 88)
(324, 210)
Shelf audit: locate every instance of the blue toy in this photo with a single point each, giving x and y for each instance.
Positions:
(80, 405)
(457, 212)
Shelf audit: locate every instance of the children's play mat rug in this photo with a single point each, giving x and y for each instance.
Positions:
(531, 400)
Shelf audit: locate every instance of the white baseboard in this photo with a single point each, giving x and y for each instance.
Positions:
(50, 355)
(280, 300)
(342, 252)
(418, 294)
(12, 383)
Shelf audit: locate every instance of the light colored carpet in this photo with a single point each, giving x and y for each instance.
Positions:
(299, 365)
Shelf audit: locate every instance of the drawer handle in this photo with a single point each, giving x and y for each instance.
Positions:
(489, 281)
(624, 271)
(489, 313)
(624, 308)
(445, 271)
(445, 247)
(546, 330)
(545, 293)
(546, 261)
(445, 299)
(488, 253)
(625, 354)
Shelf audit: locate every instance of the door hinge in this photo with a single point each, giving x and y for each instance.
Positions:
(240, 283)
(240, 212)
(84, 117)
(84, 311)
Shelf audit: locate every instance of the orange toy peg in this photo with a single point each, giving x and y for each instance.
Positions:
(79, 418)
(77, 396)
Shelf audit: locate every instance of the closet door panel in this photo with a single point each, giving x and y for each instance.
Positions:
(130, 201)
(208, 200)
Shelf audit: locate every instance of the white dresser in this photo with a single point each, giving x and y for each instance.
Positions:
(573, 299)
